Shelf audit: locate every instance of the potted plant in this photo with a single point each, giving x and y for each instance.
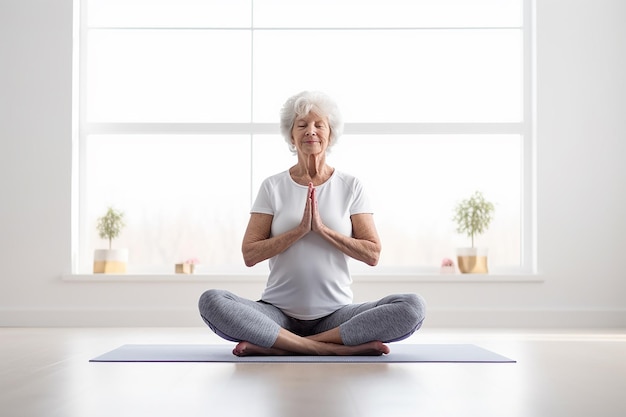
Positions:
(473, 217)
(110, 260)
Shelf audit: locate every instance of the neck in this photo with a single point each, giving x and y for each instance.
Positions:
(311, 168)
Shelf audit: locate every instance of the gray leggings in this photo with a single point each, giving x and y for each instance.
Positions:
(234, 318)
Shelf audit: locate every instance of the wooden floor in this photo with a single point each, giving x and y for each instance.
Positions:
(45, 372)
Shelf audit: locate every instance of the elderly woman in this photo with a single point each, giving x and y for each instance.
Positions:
(308, 220)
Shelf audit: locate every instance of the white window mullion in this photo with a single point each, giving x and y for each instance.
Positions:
(182, 128)
(251, 154)
(79, 203)
(273, 128)
(433, 128)
(529, 221)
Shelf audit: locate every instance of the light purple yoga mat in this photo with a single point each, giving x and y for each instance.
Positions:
(400, 353)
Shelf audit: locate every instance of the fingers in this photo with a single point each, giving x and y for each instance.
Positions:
(311, 195)
(313, 214)
(316, 221)
(308, 209)
(312, 198)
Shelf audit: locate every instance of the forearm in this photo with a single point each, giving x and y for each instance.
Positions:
(367, 251)
(256, 251)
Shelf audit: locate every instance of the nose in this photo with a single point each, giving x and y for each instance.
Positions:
(310, 131)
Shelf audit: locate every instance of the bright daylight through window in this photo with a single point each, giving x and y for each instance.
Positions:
(178, 107)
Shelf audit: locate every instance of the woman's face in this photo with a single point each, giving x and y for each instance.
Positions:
(311, 134)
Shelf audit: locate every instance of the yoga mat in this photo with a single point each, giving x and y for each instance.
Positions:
(400, 353)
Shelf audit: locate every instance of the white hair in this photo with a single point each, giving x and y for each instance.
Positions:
(302, 104)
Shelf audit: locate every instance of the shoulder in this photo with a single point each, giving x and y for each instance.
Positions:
(278, 177)
(348, 180)
(353, 189)
(276, 180)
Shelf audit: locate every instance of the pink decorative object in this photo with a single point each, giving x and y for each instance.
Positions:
(192, 261)
(447, 262)
(447, 266)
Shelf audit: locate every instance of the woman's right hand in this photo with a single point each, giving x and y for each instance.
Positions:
(258, 244)
(307, 216)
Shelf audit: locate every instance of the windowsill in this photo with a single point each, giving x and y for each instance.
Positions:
(256, 278)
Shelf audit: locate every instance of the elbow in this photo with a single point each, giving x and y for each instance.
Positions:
(373, 257)
(249, 262)
(372, 261)
(248, 259)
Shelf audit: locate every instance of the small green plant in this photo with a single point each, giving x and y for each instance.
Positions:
(473, 216)
(110, 225)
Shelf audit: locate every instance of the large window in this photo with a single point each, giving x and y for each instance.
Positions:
(178, 121)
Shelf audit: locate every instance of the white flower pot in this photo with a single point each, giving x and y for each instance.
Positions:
(110, 261)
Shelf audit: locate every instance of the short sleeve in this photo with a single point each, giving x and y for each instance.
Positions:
(361, 203)
(263, 202)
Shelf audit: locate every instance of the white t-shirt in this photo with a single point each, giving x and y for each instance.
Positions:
(310, 279)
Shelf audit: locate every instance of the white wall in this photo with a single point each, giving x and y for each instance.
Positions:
(581, 190)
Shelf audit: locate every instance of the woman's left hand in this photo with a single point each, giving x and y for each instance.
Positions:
(316, 220)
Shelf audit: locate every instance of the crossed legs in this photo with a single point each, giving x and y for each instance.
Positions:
(356, 329)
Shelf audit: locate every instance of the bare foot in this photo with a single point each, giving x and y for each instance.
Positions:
(374, 348)
(249, 349)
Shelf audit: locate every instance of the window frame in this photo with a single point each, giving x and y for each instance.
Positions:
(525, 128)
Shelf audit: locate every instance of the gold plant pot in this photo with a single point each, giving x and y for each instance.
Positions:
(472, 260)
(110, 261)
(184, 268)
